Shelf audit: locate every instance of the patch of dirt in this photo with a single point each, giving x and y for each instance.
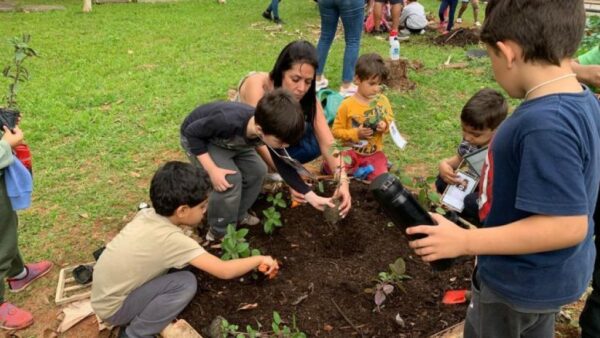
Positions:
(398, 76)
(459, 37)
(321, 265)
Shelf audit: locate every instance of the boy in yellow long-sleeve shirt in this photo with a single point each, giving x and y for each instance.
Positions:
(363, 118)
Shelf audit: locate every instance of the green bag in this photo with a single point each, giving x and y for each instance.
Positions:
(330, 100)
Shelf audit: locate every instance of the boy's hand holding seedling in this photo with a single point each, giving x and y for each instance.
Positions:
(364, 132)
(13, 139)
(269, 267)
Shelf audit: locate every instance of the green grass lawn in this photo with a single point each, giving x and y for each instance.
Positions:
(107, 95)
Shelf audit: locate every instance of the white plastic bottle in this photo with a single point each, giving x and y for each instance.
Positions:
(394, 47)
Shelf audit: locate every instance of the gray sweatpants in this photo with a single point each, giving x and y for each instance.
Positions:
(152, 306)
(489, 316)
(232, 205)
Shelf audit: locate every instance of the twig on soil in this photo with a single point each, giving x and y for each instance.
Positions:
(346, 318)
(452, 35)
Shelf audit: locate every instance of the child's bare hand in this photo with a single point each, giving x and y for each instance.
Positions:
(381, 126)
(13, 139)
(364, 133)
(269, 267)
(317, 201)
(219, 180)
(447, 174)
(445, 240)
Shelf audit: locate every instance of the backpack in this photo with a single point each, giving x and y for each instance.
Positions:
(330, 100)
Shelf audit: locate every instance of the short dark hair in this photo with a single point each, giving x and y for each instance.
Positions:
(371, 65)
(547, 30)
(177, 184)
(279, 114)
(486, 109)
(298, 52)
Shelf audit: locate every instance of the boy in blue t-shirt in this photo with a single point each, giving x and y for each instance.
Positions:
(540, 182)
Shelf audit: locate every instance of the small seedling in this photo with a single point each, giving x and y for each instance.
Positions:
(332, 215)
(235, 246)
(277, 200)
(16, 72)
(279, 329)
(428, 199)
(386, 281)
(272, 220)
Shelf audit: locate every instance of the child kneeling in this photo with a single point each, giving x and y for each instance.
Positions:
(132, 287)
(479, 118)
(364, 117)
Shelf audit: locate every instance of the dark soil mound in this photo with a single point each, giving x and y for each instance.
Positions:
(322, 264)
(460, 37)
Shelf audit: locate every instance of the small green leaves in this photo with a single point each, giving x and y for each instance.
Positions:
(234, 244)
(16, 71)
(272, 220)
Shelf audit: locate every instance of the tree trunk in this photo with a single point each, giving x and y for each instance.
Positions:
(87, 6)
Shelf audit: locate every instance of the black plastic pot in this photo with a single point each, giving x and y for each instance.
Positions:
(404, 210)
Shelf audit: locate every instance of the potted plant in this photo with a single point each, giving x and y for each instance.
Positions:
(17, 74)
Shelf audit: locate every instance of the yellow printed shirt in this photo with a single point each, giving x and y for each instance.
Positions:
(352, 113)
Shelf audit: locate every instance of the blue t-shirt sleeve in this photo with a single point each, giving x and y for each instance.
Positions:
(550, 180)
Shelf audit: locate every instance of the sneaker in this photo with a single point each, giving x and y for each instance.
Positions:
(322, 84)
(349, 91)
(34, 271)
(278, 21)
(459, 20)
(13, 318)
(210, 236)
(267, 15)
(404, 32)
(402, 37)
(477, 24)
(250, 219)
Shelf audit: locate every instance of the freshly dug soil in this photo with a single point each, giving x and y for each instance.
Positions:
(398, 76)
(459, 37)
(323, 264)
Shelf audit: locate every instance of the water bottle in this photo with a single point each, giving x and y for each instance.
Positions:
(404, 210)
(394, 46)
(363, 172)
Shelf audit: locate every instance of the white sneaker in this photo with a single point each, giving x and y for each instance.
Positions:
(477, 23)
(322, 84)
(210, 236)
(351, 90)
(250, 219)
(403, 37)
(405, 32)
(459, 20)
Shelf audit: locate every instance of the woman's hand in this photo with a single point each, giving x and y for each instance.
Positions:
(343, 194)
(219, 180)
(317, 201)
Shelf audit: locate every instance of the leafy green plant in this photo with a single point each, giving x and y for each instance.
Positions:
(427, 198)
(591, 38)
(279, 329)
(386, 281)
(272, 220)
(16, 72)
(234, 244)
(277, 200)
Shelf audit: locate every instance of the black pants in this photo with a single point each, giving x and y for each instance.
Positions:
(589, 321)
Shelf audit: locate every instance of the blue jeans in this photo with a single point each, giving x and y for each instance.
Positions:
(352, 14)
(445, 4)
(274, 8)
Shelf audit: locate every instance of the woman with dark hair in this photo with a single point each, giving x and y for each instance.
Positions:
(295, 70)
